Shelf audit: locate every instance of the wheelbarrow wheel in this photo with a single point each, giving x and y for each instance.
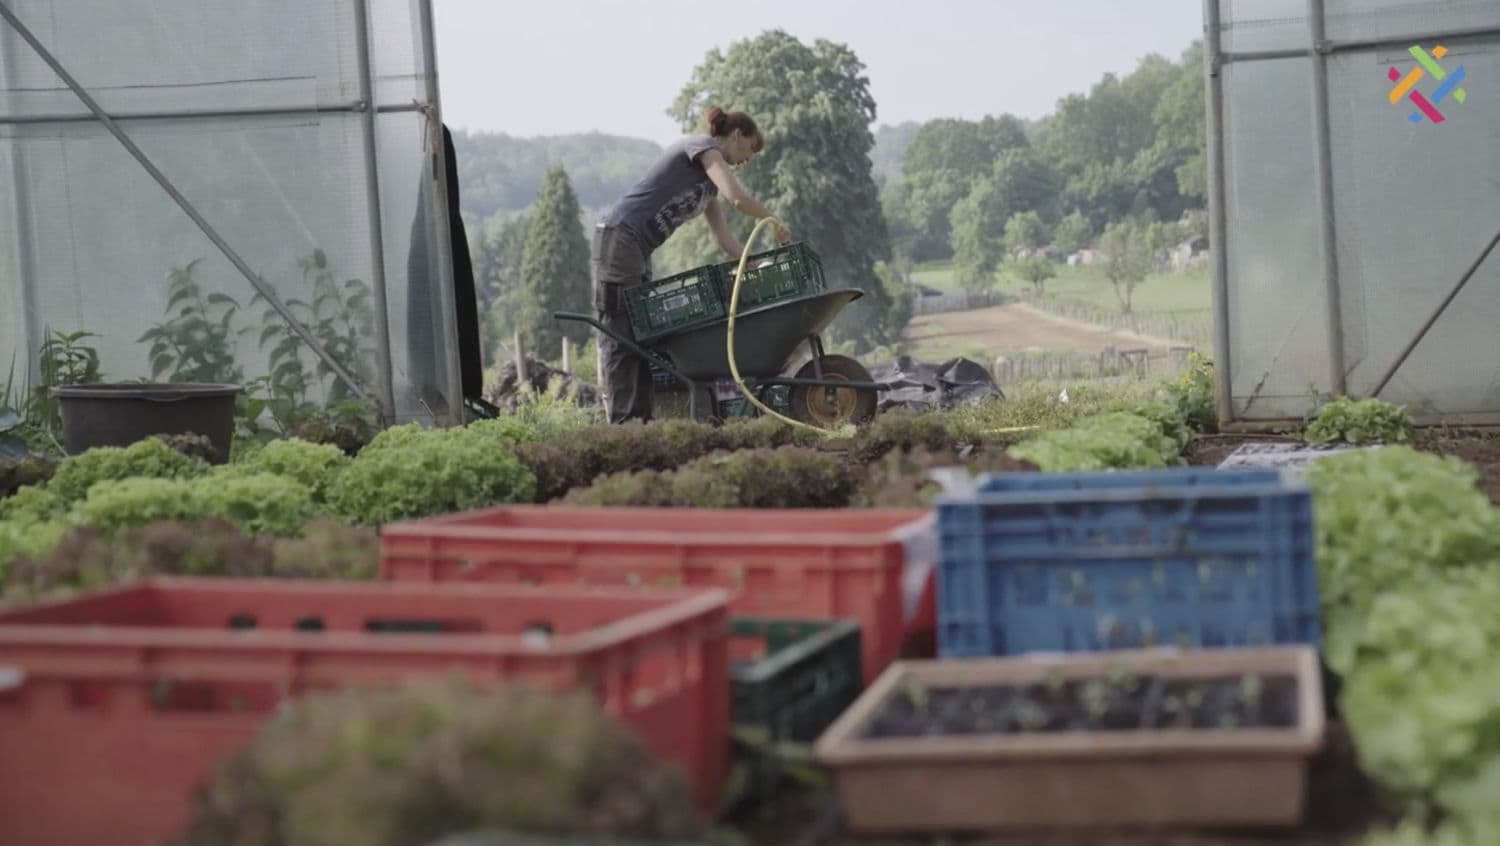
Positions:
(828, 407)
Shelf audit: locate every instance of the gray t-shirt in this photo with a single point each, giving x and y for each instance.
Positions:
(675, 189)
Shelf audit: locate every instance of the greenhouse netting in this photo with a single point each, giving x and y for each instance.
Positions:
(221, 191)
(1355, 183)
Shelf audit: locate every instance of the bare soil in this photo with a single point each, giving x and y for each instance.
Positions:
(1479, 447)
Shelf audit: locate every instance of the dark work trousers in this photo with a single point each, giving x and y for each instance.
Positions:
(619, 262)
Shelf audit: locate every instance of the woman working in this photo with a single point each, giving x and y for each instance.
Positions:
(678, 186)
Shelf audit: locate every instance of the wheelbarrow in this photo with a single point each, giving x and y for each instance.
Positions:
(827, 391)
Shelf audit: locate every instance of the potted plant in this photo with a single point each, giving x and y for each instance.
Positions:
(1136, 738)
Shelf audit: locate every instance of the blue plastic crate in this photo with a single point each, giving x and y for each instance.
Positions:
(1074, 562)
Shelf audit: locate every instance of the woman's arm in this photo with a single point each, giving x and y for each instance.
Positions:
(730, 189)
(722, 236)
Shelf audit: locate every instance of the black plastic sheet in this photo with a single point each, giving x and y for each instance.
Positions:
(913, 385)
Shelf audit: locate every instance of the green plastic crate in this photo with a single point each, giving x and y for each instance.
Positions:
(663, 306)
(809, 675)
(790, 271)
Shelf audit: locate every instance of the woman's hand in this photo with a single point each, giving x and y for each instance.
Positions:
(783, 234)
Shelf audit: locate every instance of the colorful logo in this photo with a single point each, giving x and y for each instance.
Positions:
(1427, 65)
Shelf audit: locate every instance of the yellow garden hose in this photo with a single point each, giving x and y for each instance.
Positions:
(734, 370)
(848, 429)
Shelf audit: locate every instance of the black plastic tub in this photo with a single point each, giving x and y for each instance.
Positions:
(121, 413)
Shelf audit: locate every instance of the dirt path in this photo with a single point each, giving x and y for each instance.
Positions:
(1019, 327)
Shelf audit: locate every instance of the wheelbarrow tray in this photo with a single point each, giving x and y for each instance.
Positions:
(764, 336)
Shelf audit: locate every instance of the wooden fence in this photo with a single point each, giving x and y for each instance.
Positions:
(1109, 363)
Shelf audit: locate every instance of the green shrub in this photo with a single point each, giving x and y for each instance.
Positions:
(901, 479)
(1113, 440)
(1192, 394)
(1422, 698)
(1040, 405)
(192, 445)
(1165, 416)
(61, 560)
(151, 458)
(763, 433)
(328, 549)
(32, 504)
(789, 477)
(24, 541)
(315, 466)
(19, 473)
(1388, 519)
(1366, 421)
(424, 476)
(408, 765)
(258, 503)
(584, 456)
(905, 430)
(112, 505)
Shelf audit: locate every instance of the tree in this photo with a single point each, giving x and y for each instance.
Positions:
(977, 250)
(943, 161)
(1127, 258)
(962, 146)
(1072, 233)
(501, 173)
(497, 247)
(554, 268)
(1025, 231)
(1036, 270)
(1181, 127)
(1025, 181)
(918, 206)
(813, 105)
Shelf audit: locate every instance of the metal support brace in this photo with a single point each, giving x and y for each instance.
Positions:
(25, 275)
(384, 372)
(442, 234)
(1432, 318)
(1328, 236)
(187, 207)
(1217, 213)
(355, 106)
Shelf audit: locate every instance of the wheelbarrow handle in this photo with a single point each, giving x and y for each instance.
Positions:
(629, 343)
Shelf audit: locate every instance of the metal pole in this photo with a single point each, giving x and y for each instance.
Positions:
(440, 215)
(1323, 167)
(166, 184)
(184, 114)
(383, 367)
(25, 261)
(1443, 306)
(1217, 226)
(1439, 36)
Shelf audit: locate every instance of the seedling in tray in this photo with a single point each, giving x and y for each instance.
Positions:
(1150, 737)
(1121, 701)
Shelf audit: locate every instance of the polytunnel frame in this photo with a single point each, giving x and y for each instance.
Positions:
(1317, 51)
(384, 395)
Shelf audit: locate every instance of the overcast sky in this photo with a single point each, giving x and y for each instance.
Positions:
(544, 67)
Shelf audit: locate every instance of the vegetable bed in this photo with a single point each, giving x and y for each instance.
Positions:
(1408, 550)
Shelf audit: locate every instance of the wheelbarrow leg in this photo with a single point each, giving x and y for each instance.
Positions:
(636, 348)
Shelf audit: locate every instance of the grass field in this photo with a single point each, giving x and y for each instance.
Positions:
(981, 334)
(1161, 292)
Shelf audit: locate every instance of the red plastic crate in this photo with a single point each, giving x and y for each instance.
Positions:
(795, 563)
(128, 697)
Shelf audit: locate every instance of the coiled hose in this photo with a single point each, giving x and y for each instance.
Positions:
(848, 429)
(734, 301)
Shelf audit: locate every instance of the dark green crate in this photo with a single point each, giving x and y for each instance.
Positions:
(809, 675)
(790, 271)
(666, 305)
